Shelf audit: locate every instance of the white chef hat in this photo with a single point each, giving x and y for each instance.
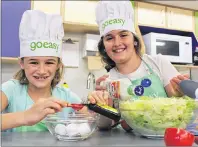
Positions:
(114, 15)
(40, 34)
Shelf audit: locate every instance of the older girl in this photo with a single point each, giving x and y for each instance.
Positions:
(120, 50)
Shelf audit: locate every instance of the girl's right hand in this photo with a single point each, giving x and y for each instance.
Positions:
(98, 83)
(175, 81)
(42, 108)
(100, 97)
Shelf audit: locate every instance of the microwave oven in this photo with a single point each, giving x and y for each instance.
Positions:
(177, 49)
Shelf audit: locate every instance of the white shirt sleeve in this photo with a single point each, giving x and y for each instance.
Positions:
(167, 70)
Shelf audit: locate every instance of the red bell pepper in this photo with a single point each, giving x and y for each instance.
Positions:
(178, 137)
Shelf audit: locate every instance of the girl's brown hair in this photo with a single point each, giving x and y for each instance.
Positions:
(107, 60)
(20, 75)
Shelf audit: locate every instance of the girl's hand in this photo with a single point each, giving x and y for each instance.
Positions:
(176, 81)
(100, 97)
(98, 82)
(42, 108)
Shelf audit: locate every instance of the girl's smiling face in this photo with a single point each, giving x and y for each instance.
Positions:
(40, 71)
(119, 45)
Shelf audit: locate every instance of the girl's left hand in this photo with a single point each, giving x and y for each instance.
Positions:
(175, 81)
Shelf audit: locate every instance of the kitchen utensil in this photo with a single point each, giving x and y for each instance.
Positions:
(189, 88)
(99, 108)
(76, 106)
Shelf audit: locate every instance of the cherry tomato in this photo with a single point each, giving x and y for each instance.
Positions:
(178, 137)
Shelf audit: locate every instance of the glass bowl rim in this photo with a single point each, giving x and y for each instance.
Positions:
(78, 117)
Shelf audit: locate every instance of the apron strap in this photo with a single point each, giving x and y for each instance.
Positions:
(147, 66)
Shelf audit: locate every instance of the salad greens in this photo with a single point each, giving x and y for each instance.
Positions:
(158, 113)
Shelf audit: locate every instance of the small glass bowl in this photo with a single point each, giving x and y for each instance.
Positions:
(72, 127)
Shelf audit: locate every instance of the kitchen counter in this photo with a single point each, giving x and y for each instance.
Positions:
(114, 137)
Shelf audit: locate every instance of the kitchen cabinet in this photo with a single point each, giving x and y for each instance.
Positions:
(83, 20)
(151, 14)
(12, 12)
(94, 63)
(80, 12)
(196, 24)
(54, 7)
(180, 19)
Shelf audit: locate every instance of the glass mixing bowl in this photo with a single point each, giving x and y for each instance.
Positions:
(150, 117)
(72, 127)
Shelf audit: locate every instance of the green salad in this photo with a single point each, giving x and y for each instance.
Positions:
(158, 113)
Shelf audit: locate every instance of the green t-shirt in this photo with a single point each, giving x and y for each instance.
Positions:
(19, 100)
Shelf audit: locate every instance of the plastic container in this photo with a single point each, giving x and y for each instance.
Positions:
(119, 88)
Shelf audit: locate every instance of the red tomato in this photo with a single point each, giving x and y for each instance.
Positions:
(178, 137)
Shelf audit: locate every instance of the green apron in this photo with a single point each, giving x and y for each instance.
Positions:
(149, 85)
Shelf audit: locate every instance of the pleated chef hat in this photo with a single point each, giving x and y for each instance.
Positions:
(40, 34)
(113, 15)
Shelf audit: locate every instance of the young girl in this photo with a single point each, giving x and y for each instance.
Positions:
(33, 93)
(120, 50)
